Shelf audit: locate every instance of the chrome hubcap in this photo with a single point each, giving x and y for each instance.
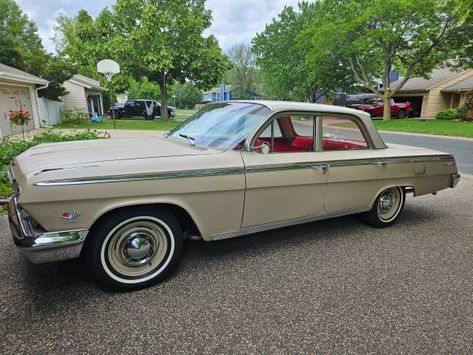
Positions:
(389, 203)
(386, 202)
(137, 249)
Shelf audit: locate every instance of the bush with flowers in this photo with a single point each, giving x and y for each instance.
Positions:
(19, 117)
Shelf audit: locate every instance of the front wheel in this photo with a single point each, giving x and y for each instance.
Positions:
(134, 248)
(386, 209)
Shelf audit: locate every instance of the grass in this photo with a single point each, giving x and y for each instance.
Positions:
(140, 124)
(434, 127)
(132, 123)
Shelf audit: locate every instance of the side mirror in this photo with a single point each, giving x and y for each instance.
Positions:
(263, 148)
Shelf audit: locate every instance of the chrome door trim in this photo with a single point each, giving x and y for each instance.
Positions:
(348, 162)
(286, 223)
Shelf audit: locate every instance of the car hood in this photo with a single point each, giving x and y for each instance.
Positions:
(77, 154)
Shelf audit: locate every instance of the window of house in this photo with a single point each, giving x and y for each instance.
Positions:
(341, 133)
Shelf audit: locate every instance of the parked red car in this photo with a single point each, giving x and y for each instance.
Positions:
(375, 108)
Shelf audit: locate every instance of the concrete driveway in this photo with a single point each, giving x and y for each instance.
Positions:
(335, 286)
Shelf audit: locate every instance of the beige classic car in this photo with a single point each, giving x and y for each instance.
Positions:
(233, 168)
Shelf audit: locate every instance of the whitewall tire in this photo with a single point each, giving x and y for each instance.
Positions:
(134, 248)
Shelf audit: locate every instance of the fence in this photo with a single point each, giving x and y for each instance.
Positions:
(49, 111)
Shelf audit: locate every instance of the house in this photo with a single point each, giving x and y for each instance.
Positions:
(445, 89)
(18, 90)
(84, 94)
(230, 92)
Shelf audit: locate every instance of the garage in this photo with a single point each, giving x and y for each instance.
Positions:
(416, 103)
(18, 92)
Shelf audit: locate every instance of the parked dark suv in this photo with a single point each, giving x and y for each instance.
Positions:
(148, 109)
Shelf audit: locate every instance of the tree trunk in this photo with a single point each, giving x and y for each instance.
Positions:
(386, 106)
(164, 99)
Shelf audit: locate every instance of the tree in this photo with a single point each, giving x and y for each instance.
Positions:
(287, 70)
(244, 73)
(21, 47)
(162, 39)
(372, 37)
(84, 42)
(187, 95)
(143, 89)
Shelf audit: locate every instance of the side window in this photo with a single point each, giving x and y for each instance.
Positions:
(290, 133)
(341, 133)
(130, 104)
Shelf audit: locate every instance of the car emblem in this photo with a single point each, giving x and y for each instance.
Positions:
(70, 215)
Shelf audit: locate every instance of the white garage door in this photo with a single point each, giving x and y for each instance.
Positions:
(13, 98)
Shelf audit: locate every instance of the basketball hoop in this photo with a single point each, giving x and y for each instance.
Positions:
(108, 67)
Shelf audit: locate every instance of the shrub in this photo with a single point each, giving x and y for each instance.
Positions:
(73, 115)
(462, 112)
(9, 149)
(450, 114)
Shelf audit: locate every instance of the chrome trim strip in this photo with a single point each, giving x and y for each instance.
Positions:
(351, 162)
(235, 170)
(286, 223)
(142, 177)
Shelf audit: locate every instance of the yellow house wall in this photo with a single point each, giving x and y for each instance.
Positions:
(437, 100)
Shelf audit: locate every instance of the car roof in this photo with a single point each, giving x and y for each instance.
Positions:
(284, 106)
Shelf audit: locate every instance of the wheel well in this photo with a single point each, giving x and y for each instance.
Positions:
(186, 221)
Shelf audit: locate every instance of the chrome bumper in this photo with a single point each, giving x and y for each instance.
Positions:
(43, 247)
(455, 180)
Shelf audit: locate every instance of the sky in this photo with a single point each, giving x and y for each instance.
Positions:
(234, 21)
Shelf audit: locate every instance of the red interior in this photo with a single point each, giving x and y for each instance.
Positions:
(304, 144)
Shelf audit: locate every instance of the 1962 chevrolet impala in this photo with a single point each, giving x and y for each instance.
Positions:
(234, 168)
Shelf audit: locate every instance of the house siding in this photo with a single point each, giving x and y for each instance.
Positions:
(437, 100)
(75, 99)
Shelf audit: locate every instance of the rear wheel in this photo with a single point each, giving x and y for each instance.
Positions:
(386, 209)
(134, 248)
(401, 114)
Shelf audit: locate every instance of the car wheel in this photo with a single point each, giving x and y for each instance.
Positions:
(386, 209)
(401, 114)
(134, 248)
(117, 114)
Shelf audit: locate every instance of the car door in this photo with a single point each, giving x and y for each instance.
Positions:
(128, 108)
(289, 181)
(356, 171)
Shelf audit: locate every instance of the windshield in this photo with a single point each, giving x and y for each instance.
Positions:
(222, 125)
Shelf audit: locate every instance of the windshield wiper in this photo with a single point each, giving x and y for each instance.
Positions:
(189, 138)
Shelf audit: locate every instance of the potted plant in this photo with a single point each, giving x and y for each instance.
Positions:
(20, 118)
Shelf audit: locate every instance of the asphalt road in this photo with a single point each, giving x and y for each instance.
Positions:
(334, 286)
(460, 148)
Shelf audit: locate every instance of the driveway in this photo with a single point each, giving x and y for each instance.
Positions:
(334, 286)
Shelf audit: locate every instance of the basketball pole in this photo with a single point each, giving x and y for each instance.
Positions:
(112, 103)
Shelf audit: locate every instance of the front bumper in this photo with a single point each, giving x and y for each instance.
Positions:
(42, 247)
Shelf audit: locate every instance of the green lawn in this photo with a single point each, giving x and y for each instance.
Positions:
(154, 125)
(435, 127)
(135, 123)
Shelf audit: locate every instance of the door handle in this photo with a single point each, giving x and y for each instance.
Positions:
(379, 163)
(321, 167)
